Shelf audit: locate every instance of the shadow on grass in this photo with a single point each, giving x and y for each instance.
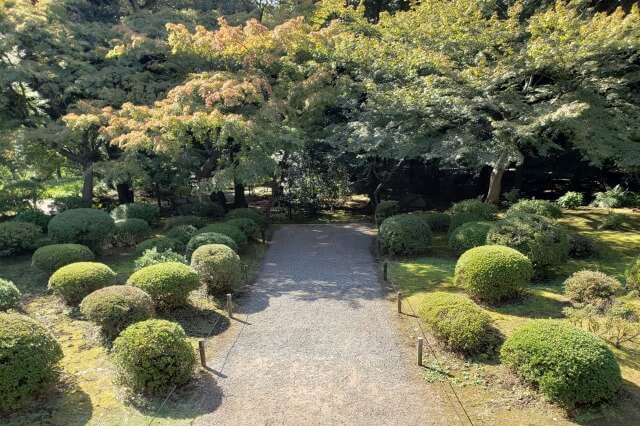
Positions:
(198, 321)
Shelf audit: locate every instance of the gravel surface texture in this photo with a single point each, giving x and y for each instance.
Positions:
(317, 341)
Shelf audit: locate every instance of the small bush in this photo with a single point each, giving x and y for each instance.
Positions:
(194, 221)
(116, 307)
(167, 283)
(593, 287)
(18, 237)
(30, 356)
(70, 202)
(145, 211)
(210, 238)
(541, 239)
(182, 233)
(580, 246)
(437, 221)
(153, 257)
(20, 194)
(613, 222)
(9, 295)
(614, 198)
(567, 364)
(213, 210)
(75, 281)
(468, 236)
(493, 273)
(539, 207)
(250, 228)
(483, 211)
(218, 266)
(460, 219)
(159, 243)
(153, 356)
(246, 214)
(632, 275)
(571, 200)
(53, 257)
(34, 216)
(458, 322)
(129, 232)
(89, 227)
(617, 322)
(386, 209)
(230, 231)
(404, 234)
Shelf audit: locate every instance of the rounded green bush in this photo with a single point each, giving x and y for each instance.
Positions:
(460, 219)
(571, 200)
(116, 307)
(230, 231)
(386, 209)
(153, 356)
(493, 273)
(89, 227)
(195, 221)
(129, 232)
(468, 236)
(53, 257)
(246, 214)
(580, 246)
(153, 257)
(182, 233)
(632, 274)
(213, 210)
(18, 237)
(539, 207)
(35, 216)
(437, 221)
(458, 322)
(483, 211)
(593, 287)
(9, 295)
(159, 243)
(541, 239)
(145, 211)
(567, 364)
(218, 266)
(210, 238)
(168, 283)
(250, 228)
(404, 234)
(75, 281)
(29, 357)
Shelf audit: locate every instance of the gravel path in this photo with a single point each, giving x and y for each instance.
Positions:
(319, 344)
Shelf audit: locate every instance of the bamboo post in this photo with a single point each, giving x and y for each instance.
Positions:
(203, 357)
(399, 297)
(385, 268)
(420, 343)
(229, 306)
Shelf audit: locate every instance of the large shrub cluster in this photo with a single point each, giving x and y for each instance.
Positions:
(53, 257)
(493, 273)
(230, 231)
(18, 237)
(9, 295)
(210, 238)
(114, 308)
(153, 356)
(458, 322)
(153, 257)
(567, 364)
(145, 211)
(29, 357)
(195, 221)
(35, 216)
(593, 287)
(468, 236)
(89, 227)
(75, 281)
(386, 209)
(168, 284)
(404, 234)
(248, 226)
(481, 210)
(218, 267)
(539, 207)
(129, 232)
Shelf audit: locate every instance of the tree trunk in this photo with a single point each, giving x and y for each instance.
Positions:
(239, 200)
(125, 194)
(134, 4)
(495, 185)
(87, 185)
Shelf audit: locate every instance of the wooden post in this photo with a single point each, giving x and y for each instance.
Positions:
(384, 270)
(229, 306)
(203, 357)
(420, 342)
(264, 240)
(399, 295)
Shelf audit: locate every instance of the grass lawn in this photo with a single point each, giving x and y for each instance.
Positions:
(490, 393)
(87, 392)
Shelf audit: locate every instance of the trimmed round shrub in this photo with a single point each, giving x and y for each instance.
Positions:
(75, 281)
(210, 238)
(246, 214)
(541, 239)
(230, 231)
(53, 257)
(493, 273)
(30, 356)
(129, 232)
(159, 243)
(213, 210)
(437, 221)
(89, 227)
(632, 274)
(593, 287)
(458, 322)
(194, 221)
(571, 200)
(153, 257)
(152, 356)
(116, 307)
(167, 283)
(145, 211)
(468, 236)
(483, 211)
(250, 228)
(539, 207)
(580, 246)
(9, 295)
(567, 364)
(35, 216)
(18, 237)
(386, 209)
(182, 233)
(404, 234)
(460, 219)
(218, 266)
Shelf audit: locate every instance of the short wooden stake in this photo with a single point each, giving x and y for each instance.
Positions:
(264, 240)
(420, 342)
(384, 270)
(399, 302)
(229, 306)
(203, 357)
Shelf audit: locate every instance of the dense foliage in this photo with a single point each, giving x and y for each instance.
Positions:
(9, 295)
(231, 231)
(53, 257)
(248, 226)
(210, 238)
(385, 209)
(153, 256)
(145, 211)
(468, 236)
(75, 281)
(633, 275)
(159, 243)
(168, 283)
(18, 237)
(89, 227)
(571, 200)
(591, 287)
(218, 266)
(538, 207)
(404, 234)
(195, 221)
(129, 232)
(437, 221)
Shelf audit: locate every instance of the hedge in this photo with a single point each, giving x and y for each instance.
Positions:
(148, 212)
